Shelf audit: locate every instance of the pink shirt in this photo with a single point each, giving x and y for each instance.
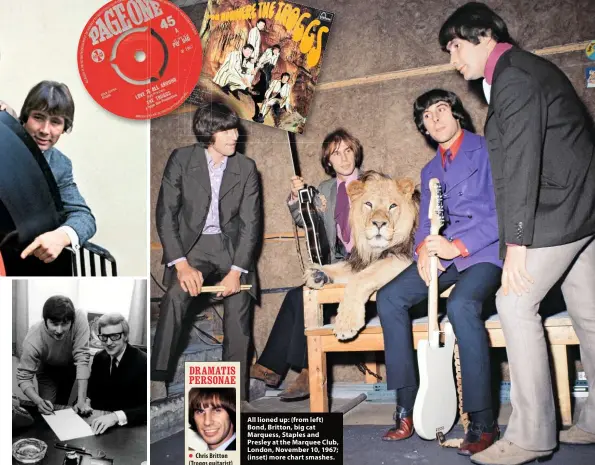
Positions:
(498, 51)
(352, 177)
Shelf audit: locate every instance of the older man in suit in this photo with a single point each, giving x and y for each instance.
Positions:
(542, 150)
(209, 221)
(47, 113)
(118, 382)
(342, 157)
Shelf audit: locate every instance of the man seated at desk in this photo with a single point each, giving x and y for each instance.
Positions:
(118, 382)
(55, 351)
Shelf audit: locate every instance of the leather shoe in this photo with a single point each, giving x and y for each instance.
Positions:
(261, 372)
(403, 426)
(504, 452)
(479, 437)
(299, 389)
(576, 435)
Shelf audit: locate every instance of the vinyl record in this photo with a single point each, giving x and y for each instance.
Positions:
(140, 59)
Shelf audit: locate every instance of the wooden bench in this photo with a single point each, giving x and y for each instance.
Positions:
(321, 340)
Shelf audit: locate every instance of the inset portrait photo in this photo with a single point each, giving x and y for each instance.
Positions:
(212, 419)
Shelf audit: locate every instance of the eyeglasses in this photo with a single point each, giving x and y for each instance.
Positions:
(113, 337)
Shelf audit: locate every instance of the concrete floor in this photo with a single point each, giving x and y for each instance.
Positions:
(363, 427)
(356, 410)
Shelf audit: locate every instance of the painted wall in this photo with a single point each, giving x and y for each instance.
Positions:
(368, 39)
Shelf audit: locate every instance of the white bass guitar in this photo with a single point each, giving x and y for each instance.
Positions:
(435, 406)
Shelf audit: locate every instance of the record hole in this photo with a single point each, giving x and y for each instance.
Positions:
(140, 56)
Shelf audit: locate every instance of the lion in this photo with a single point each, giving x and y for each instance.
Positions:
(383, 219)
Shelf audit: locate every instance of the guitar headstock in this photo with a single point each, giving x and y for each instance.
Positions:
(436, 208)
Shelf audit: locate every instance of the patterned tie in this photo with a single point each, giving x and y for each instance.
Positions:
(342, 212)
(447, 160)
(114, 366)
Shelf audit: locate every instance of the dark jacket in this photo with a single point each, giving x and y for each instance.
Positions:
(126, 390)
(184, 201)
(542, 151)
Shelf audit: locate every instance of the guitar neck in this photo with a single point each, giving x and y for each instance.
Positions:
(433, 296)
(436, 217)
(433, 291)
(293, 152)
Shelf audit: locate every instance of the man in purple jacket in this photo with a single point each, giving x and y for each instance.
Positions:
(468, 250)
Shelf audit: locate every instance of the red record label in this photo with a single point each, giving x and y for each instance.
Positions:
(140, 59)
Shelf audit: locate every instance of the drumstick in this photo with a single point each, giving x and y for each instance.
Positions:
(243, 287)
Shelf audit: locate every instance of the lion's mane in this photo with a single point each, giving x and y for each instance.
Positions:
(376, 188)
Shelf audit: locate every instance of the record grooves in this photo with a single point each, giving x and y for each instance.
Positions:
(155, 57)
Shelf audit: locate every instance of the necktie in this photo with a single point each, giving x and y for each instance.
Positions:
(114, 366)
(447, 159)
(342, 212)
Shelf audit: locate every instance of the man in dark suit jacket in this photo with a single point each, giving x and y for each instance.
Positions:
(542, 150)
(209, 221)
(118, 381)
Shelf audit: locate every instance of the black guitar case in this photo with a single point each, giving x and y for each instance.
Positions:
(30, 202)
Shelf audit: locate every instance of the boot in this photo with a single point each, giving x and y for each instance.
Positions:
(299, 389)
(270, 378)
(403, 426)
(478, 438)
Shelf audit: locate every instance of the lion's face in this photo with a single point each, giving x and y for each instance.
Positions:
(382, 215)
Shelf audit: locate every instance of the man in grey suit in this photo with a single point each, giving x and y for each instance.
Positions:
(209, 221)
(542, 150)
(47, 113)
(342, 156)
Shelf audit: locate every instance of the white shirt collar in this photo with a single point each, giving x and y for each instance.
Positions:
(227, 443)
(487, 89)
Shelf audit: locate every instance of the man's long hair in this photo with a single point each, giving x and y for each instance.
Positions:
(331, 143)
(425, 101)
(472, 21)
(213, 118)
(201, 398)
(51, 97)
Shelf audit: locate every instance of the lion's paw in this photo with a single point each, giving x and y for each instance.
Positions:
(315, 277)
(350, 319)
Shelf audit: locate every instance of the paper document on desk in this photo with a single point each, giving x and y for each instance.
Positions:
(68, 425)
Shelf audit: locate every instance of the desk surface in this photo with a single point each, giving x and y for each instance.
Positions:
(126, 445)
